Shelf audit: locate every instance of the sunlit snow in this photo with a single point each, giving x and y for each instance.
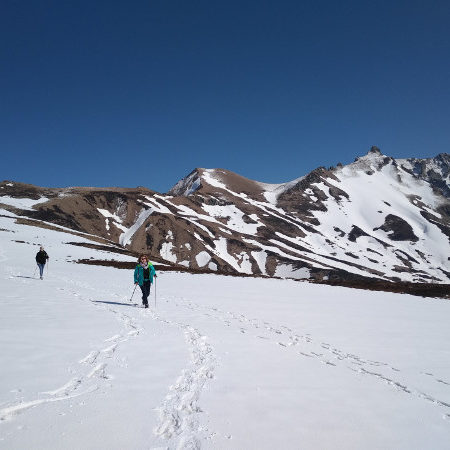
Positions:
(216, 362)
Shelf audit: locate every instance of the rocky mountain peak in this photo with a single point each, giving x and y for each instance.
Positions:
(217, 182)
(374, 153)
(443, 162)
(374, 160)
(375, 149)
(435, 171)
(187, 185)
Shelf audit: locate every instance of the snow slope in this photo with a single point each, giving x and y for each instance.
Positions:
(373, 196)
(220, 363)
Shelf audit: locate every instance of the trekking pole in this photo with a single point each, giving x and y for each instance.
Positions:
(135, 286)
(34, 273)
(155, 292)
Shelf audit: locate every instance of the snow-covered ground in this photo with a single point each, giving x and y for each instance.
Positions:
(220, 363)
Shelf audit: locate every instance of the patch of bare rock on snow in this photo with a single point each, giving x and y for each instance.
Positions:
(179, 413)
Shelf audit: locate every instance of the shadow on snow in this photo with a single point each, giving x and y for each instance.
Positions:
(114, 303)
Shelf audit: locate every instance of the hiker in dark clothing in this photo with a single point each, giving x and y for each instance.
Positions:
(143, 275)
(41, 259)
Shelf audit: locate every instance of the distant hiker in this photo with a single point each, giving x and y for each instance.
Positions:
(143, 275)
(41, 259)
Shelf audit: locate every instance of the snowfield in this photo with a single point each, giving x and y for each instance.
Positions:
(219, 363)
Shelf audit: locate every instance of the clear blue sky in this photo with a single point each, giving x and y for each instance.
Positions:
(128, 93)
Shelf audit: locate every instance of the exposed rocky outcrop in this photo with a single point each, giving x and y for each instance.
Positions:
(398, 229)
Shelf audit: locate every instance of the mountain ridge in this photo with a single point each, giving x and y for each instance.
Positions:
(378, 217)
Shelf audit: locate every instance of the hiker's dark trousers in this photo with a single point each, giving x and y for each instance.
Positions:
(145, 288)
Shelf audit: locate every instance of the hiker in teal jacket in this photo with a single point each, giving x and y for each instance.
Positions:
(143, 275)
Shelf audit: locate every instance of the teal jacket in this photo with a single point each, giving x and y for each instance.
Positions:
(139, 274)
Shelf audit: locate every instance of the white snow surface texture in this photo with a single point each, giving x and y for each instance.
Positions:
(219, 363)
